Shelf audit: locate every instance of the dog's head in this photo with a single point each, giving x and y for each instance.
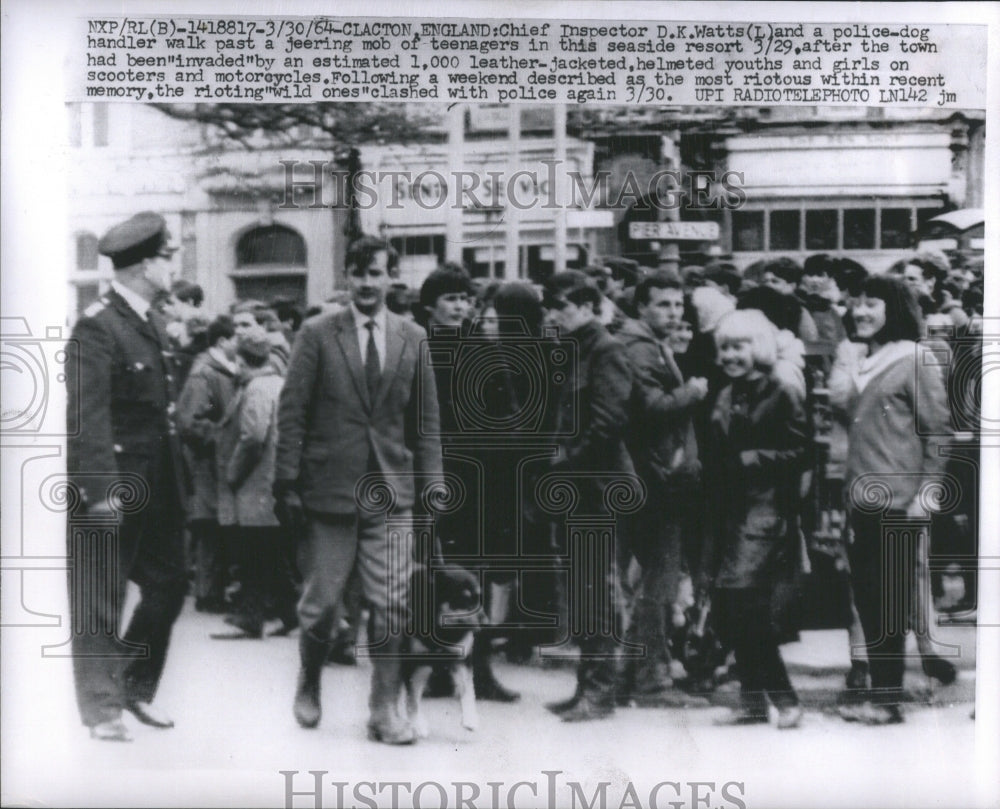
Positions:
(460, 608)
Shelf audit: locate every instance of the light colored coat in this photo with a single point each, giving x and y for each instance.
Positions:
(246, 450)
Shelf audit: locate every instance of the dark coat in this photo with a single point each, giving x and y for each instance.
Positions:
(329, 432)
(248, 440)
(754, 460)
(203, 401)
(661, 438)
(121, 377)
(592, 414)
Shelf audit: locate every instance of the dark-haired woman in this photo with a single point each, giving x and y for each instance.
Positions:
(897, 410)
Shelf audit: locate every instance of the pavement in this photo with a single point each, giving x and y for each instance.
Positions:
(235, 736)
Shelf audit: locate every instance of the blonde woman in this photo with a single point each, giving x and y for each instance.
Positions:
(755, 457)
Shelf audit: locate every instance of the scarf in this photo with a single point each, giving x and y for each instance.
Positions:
(870, 367)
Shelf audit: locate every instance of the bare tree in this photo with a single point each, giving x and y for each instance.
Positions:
(340, 126)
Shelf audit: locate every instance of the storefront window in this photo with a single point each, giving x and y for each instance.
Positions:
(859, 229)
(821, 230)
(748, 231)
(895, 228)
(785, 230)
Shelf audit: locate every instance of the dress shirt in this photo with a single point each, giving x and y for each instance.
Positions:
(133, 299)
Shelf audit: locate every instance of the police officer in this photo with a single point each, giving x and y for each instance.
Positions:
(124, 462)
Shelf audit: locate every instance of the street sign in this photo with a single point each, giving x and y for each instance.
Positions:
(674, 231)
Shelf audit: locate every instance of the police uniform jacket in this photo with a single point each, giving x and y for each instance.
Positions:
(122, 376)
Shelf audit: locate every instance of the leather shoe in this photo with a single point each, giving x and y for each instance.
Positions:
(306, 707)
(282, 631)
(236, 634)
(112, 731)
(857, 677)
(868, 714)
(148, 715)
(744, 715)
(391, 732)
(488, 689)
(789, 717)
(668, 698)
(345, 655)
(940, 669)
(214, 606)
(587, 710)
(563, 705)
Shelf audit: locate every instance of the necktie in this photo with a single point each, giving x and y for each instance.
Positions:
(373, 371)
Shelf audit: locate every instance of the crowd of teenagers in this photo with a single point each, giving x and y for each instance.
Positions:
(744, 403)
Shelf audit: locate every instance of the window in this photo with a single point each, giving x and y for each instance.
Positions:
(785, 230)
(271, 245)
(75, 120)
(271, 288)
(895, 227)
(821, 230)
(86, 251)
(859, 229)
(926, 214)
(424, 244)
(748, 230)
(100, 124)
(86, 294)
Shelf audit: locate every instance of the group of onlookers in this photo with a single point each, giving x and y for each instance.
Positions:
(701, 384)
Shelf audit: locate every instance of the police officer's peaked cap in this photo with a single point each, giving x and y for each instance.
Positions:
(143, 236)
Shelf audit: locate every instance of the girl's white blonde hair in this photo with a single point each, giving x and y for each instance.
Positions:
(750, 325)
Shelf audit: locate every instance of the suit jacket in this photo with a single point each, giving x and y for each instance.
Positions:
(331, 433)
(123, 378)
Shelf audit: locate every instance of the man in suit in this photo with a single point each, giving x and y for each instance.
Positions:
(123, 436)
(661, 440)
(358, 400)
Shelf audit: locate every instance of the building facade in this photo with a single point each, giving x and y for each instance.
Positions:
(846, 181)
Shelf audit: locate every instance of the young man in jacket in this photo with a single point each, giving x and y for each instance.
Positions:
(202, 404)
(591, 419)
(661, 440)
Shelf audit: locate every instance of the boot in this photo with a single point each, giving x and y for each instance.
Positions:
(588, 709)
(385, 724)
(940, 669)
(648, 677)
(857, 677)
(312, 653)
(752, 710)
(564, 705)
(484, 681)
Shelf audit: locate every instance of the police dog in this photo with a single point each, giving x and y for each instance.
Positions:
(445, 620)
